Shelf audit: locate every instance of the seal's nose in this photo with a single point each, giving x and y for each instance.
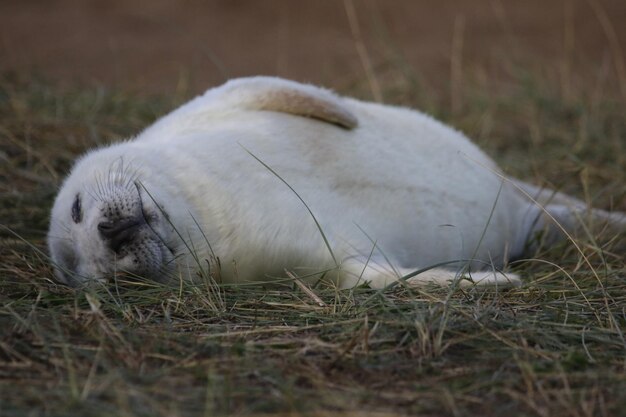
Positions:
(120, 232)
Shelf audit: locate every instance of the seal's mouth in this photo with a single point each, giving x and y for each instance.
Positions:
(133, 232)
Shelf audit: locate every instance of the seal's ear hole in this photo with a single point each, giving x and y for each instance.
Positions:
(77, 212)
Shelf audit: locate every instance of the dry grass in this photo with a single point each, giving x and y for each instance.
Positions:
(555, 347)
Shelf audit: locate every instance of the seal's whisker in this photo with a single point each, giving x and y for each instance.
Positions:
(100, 185)
(109, 183)
(91, 192)
(130, 174)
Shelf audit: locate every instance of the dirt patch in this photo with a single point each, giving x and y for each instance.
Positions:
(168, 44)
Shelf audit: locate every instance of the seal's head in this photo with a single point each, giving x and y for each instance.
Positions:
(106, 221)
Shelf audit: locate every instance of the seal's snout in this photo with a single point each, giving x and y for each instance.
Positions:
(119, 233)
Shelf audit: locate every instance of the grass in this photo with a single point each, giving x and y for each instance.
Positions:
(554, 347)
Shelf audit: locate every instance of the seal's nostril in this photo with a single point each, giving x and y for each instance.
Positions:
(120, 232)
(107, 229)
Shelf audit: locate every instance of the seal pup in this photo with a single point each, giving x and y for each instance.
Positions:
(263, 175)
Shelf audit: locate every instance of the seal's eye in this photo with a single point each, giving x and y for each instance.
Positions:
(77, 213)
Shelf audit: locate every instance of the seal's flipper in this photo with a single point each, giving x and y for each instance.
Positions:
(356, 271)
(553, 223)
(550, 216)
(253, 94)
(275, 94)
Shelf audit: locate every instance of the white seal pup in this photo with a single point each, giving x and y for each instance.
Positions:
(263, 175)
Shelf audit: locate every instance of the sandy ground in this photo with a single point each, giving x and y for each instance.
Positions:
(157, 46)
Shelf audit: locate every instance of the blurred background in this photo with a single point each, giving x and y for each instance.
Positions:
(371, 48)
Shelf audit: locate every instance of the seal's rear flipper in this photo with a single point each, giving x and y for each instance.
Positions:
(550, 216)
(553, 223)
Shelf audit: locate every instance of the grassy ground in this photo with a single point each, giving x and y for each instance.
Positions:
(555, 347)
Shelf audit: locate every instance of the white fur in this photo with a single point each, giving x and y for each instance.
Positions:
(393, 191)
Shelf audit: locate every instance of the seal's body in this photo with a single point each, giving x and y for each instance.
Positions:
(262, 175)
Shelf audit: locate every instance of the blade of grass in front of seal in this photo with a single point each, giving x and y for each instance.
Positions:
(319, 227)
(375, 246)
(215, 297)
(465, 270)
(191, 250)
(204, 236)
(484, 232)
(215, 300)
(211, 281)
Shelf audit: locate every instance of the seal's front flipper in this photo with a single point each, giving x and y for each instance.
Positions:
(355, 272)
(275, 94)
(441, 276)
